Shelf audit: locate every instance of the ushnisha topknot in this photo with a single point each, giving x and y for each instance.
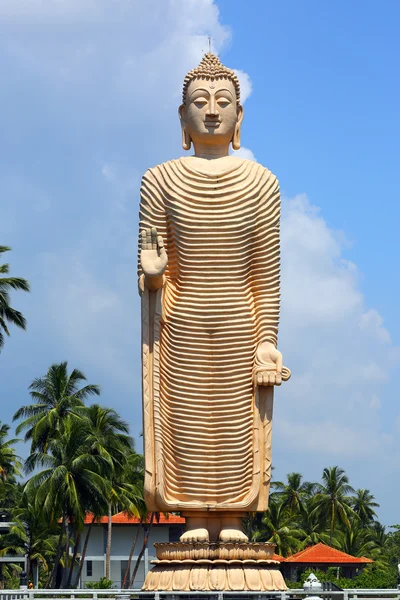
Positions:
(211, 68)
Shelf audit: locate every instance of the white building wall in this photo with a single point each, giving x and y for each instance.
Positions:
(121, 543)
(97, 572)
(96, 545)
(122, 539)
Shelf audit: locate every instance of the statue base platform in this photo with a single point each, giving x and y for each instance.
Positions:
(215, 566)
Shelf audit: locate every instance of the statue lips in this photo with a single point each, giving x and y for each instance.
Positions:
(213, 124)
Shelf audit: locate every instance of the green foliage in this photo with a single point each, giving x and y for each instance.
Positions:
(371, 578)
(302, 514)
(82, 460)
(9, 315)
(102, 584)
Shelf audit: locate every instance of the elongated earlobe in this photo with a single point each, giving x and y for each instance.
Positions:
(236, 138)
(186, 139)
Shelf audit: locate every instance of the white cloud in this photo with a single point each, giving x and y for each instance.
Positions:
(246, 87)
(112, 74)
(243, 153)
(331, 440)
(372, 322)
(339, 352)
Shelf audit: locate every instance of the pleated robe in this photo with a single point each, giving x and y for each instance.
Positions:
(207, 430)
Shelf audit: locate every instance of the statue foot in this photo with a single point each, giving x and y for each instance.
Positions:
(232, 535)
(195, 535)
(232, 531)
(196, 530)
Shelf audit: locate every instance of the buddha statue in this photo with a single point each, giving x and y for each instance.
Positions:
(209, 271)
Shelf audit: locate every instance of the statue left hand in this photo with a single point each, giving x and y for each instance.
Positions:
(268, 368)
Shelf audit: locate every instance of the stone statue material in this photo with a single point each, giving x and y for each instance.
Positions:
(209, 275)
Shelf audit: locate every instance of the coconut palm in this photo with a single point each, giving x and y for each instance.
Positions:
(10, 464)
(356, 540)
(7, 313)
(71, 480)
(332, 500)
(363, 505)
(55, 396)
(34, 533)
(313, 525)
(279, 527)
(294, 493)
(107, 438)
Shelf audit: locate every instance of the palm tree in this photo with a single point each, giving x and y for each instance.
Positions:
(293, 494)
(7, 313)
(32, 531)
(71, 481)
(363, 505)
(279, 527)
(332, 501)
(55, 396)
(355, 540)
(10, 464)
(312, 525)
(108, 439)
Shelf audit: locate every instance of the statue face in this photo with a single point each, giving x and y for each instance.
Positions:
(211, 112)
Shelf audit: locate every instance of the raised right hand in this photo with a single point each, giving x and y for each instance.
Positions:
(153, 257)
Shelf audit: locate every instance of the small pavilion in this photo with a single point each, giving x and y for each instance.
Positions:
(321, 557)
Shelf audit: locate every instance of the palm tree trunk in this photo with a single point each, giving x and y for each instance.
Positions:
(332, 524)
(130, 556)
(145, 540)
(71, 570)
(85, 545)
(28, 567)
(52, 577)
(66, 551)
(109, 532)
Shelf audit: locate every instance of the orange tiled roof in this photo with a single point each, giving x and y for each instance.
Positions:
(278, 557)
(322, 554)
(122, 518)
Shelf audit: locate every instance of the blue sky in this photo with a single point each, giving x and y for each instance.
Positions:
(90, 91)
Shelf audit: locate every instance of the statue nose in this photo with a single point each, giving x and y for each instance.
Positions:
(212, 108)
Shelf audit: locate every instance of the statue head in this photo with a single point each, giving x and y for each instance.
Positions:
(211, 112)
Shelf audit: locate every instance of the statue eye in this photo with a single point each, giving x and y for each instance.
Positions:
(200, 102)
(223, 102)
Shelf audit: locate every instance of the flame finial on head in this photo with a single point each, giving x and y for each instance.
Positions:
(211, 68)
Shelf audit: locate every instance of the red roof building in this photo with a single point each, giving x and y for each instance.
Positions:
(123, 519)
(321, 557)
(125, 530)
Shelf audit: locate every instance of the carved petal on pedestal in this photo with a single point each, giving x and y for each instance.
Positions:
(252, 577)
(266, 579)
(166, 578)
(152, 580)
(217, 578)
(236, 580)
(278, 581)
(199, 578)
(181, 578)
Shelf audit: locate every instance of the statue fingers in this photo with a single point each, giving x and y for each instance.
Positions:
(154, 238)
(160, 244)
(272, 378)
(278, 379)
(265, 378)
(278, 360)
(148, 239)
(259, 378)
(143, 239)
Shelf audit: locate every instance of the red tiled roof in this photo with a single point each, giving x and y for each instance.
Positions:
(278, 557)
(122, 518)
(322, 554)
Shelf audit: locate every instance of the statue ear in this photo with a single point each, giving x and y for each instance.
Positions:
(186, 139)
(236, 134)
